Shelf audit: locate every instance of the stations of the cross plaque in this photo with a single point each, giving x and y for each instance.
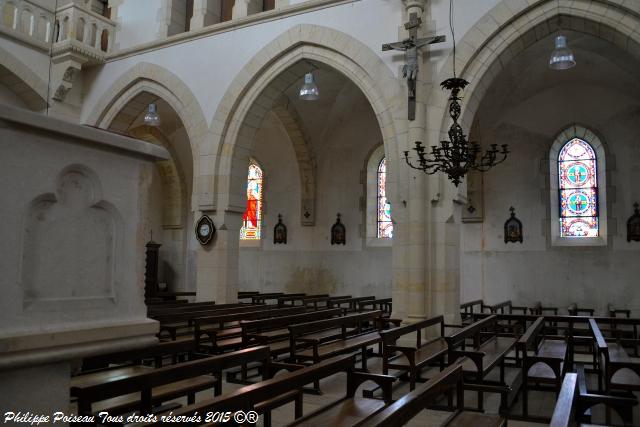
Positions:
(410, 47)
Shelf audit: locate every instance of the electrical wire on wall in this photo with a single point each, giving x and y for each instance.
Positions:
(54, 35)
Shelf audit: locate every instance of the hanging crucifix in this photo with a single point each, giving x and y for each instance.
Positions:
(410, 46)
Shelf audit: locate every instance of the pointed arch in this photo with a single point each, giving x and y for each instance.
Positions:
(151, 78)
(578, 212)
(256, 88)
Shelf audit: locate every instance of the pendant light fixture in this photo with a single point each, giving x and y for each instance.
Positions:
(562, 57)
(457, 155)
(152, 118)
(309, 90)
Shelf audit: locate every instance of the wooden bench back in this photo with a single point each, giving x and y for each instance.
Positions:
(221, 319)
(192, 306)
(351, 301)
(284, 321)
(501, 306)
(351, 320)
(156, 352)
(574, 310)
(467, 309)
(408, 406)
(145, 382)
(247, 397)
(290, 298)
(471, 331)
(390, 336)
(261, 298)
(187, 316)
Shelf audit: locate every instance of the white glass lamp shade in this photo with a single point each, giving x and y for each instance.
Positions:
(152, 118)
(562, 57)
(309, 90)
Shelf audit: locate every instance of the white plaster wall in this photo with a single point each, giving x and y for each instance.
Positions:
(139, 22)
(534, 271)
(309, 263)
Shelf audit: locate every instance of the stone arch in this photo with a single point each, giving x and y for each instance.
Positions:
(146, 77)
(29, 87)
(249, 97)
(255, 88)
(172, 175)
(509, 28)
(292, 123)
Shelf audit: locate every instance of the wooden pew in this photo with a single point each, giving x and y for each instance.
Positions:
(180, 324)
(352, 303)
(574, 310)
(359, 337)
(484, 355)
(445, 382)
(262, 298)
(290, 299)
(614, 312)
(316, 302)
(274, 332)
(275, 329)
(382, 304)
(467, 310)
(346, 411)
(617, 368)
(178, 351)
(547, 364)
(221, 338)
(574, 403)
(413, 359)
(140, 388)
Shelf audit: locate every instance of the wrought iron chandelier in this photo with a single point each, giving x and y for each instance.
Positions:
(458, 155)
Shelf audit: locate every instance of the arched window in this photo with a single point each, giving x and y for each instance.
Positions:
(378, 222)
(578, 189)
(252, 218)
(383, 217)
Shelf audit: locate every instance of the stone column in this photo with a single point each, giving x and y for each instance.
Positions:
(281, 3)
(243, 8)
(115, 17)
(205, 13)
(172, 17)
(217, 275)
(410, 281)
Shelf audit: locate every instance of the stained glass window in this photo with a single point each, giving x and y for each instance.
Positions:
(385, 226)
(578, 190)
(252, 218)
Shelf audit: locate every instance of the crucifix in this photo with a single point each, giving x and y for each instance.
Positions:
(410, 46)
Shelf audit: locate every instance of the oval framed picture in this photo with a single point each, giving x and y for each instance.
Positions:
(205, 230)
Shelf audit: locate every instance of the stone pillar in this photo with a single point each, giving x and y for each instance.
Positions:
(217, 272)
(172, 17)
(410, 282)
(116, 17)
(205, 13)
(243, 8)
(281, 3)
